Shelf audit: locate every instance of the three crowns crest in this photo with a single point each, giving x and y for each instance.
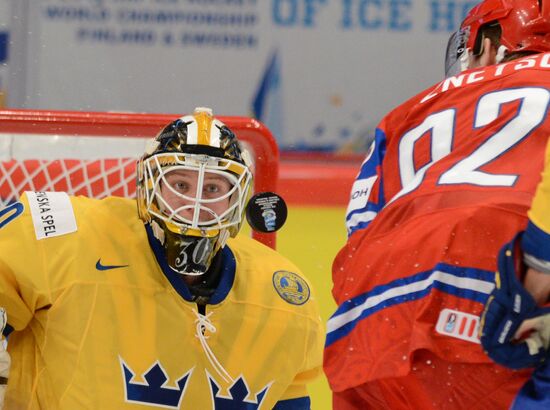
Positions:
(155, 390)
(238, 393)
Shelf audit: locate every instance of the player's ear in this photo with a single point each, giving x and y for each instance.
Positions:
(488, 53)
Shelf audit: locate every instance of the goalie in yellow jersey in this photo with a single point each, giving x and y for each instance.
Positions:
(169, 309)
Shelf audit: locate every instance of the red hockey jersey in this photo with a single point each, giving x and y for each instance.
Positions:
(447, 181)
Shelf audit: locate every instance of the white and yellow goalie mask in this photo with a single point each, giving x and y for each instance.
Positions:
(192, 188)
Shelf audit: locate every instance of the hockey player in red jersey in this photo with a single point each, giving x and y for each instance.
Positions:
(447, 182)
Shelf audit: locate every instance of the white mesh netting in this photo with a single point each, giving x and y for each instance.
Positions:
(93, 178)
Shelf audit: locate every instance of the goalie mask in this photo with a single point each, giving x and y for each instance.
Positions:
(524, 25)
(192, 188)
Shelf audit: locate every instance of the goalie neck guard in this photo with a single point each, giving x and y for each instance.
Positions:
(193, 184)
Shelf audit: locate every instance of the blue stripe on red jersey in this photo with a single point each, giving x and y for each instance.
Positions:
(467, 283)
(359, 215)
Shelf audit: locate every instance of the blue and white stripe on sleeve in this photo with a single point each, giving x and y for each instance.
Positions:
(362, 208)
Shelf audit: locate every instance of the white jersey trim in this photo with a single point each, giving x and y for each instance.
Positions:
(353, 314)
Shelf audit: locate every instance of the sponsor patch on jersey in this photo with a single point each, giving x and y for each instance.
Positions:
(360, 193)
(291, 287)
(458, 324)
(52, 214)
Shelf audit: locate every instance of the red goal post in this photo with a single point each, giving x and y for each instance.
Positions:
(69, 151)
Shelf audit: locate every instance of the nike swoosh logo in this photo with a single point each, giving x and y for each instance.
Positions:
(99, 266)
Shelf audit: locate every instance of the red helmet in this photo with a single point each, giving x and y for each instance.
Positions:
(525, 24)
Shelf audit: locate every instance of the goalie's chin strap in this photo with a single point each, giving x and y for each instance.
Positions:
(204, 324)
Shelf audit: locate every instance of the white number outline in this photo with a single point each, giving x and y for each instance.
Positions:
(531, 113)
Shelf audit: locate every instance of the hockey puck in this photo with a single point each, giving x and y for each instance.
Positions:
(266, 212)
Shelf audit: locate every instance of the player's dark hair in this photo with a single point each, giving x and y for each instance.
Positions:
(493, 31)
(518, 54)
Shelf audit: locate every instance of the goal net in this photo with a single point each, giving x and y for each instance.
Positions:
(94, 153)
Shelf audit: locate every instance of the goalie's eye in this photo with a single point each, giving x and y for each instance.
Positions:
(211, 188)
(180, 183)
(181, 187)
(215, 187)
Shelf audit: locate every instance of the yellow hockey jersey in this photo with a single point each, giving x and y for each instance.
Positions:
(98, 323)
(540, 208)
(536, 238)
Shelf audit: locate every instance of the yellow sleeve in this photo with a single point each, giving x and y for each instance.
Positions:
(540, 208)
(298, 388)
(535, 242)
(21, 265)
(313, 363)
